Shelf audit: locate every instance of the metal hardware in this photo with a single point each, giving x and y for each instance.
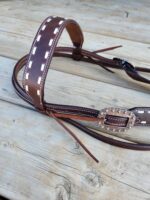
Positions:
(119, 112)
(125, 64)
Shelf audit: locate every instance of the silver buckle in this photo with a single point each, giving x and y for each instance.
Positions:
(120, 112)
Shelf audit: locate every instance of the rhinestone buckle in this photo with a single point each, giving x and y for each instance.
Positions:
(118, 112)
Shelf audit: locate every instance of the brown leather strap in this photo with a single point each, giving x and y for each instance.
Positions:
(41, 54)
(73, 135)
(36, 67)
(74, 112)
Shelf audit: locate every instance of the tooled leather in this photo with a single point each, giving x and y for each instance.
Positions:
(65, 111)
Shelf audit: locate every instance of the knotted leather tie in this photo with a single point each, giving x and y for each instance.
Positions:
(36, 65)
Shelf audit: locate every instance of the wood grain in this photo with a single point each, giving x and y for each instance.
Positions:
(38, 159)
(112, 15)
(45, 163)
(14, 115)
(91, 93)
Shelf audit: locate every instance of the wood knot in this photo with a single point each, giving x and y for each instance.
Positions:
(63, 191)
(7, 144)
(93, 181)
(76, 149)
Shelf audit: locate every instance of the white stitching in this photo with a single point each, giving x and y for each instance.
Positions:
(46, 54)
(26, 88)
(44, 71)
(27, 75)
(42, 67)
(43, 28)
(38, 92)
(34, 50)
(49, 19)
(50, 42)
(140, 111)
(30, 64)
(39, 80)
(56, 30)
(143, 122)
(38, 38)
(61, 22)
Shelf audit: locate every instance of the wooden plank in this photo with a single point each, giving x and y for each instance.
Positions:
(14, 46)
(16, 37)
(45, 163)
(38, 160)
(116, 20)
(16, 34)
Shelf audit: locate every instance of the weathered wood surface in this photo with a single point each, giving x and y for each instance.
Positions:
(38, 160)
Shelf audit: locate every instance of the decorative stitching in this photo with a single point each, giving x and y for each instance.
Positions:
(38, 92)
(39, 80)
(42, 67)
(143, 122)
(61, 22)
(30, 64)
(26, 88)
(34, 50)
(38, 38)
(50, 42)
(44, 73)
(44, 27)
(46, 63)
(56, 30)
(27, 75)
(140, 111)
(49, 19)
(46, 54)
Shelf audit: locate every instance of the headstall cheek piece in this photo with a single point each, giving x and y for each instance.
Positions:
(36, 65)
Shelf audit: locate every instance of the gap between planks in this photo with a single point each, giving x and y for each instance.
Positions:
(41, 153)
(108, 19)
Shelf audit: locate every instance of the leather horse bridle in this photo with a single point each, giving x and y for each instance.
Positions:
(36, 65)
